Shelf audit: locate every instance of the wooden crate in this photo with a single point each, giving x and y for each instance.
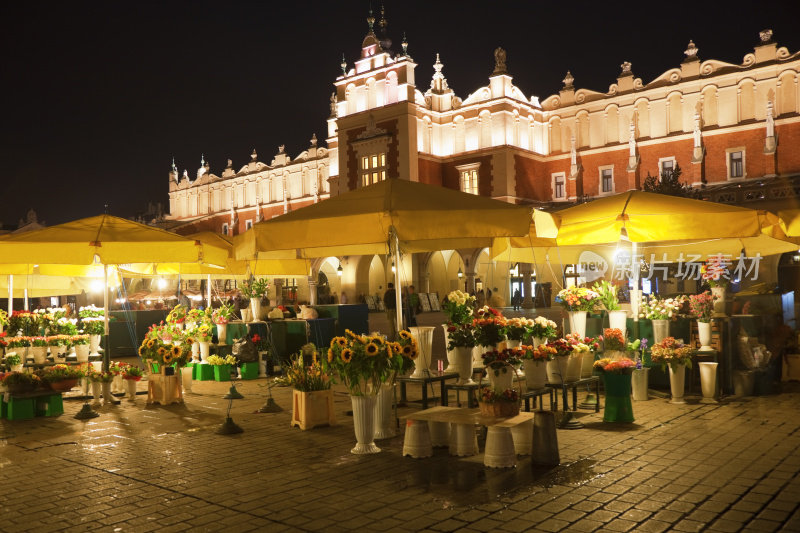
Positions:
(312, 409)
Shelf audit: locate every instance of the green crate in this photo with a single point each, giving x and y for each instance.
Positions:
(222, 372)
(19, 408)
(249, 370)
(51, 405)
(203, 372)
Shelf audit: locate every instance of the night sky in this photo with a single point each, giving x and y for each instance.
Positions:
(99, 96)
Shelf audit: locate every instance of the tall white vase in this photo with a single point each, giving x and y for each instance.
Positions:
(186, 378)
(477, 356)
(97, 391)
(639, 382)
(94, 344)
(677, 382)
(452, 364)
(660, 330)
(422, 363)
(222, 333)
(708, 380)
(255, 308)
(577, 322)
(130, 389)
(383, 412)
(117, 385)
(196, 350)
(204, 351)
(108, 398)
(618, 320)
(535, 374)
(364, 424)
(462, 355)
(82, 353)
(719, 294)
(704, 335)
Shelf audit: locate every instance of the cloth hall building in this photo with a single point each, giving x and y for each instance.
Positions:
(733, 129)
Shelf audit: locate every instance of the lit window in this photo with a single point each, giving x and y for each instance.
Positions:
(607, 175)
(736, 164)
(469, 181)
(373, 169)
(559, 186)
(248, 224)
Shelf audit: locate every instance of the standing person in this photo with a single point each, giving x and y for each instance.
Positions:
(516, 300)
(390, 303)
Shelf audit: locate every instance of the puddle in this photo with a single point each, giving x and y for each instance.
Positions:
(467, 482)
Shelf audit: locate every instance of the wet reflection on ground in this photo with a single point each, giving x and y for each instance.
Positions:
(466, 481)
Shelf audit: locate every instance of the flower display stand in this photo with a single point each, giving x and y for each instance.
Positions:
(619, 407)
(312, 409)
(164, 389)
(249, 370)
(222, 372)
(203, 372)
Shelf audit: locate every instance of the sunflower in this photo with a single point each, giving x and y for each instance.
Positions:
(177, 351)
(167, 358)
(330, 355)
(151, 343)
(397, 347)
(341, 341)
(377, 340)
(161, 351)
(372, 349)
(142, 351)
(347, 355)
(408, 350)
(189, 340)
(405, 335)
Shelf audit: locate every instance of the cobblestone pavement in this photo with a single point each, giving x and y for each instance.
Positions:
(732, 466)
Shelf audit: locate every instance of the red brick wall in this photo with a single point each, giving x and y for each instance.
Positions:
(392, 157)
(788, 149)
(430, 172)
(452, 180)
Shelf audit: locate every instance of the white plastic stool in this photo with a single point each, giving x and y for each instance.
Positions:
(500, 452)
(440, 433)
(523, 437)
(463, 440)
(417, 442)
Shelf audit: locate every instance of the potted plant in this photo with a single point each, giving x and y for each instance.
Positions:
(701, 307)
(177, 315)
(254, 289)
(81, 344)
(498, 403)
(608, 298)
(220, 317)
(458, 307)
(660, 311)
(66, 326)
(222, 366)
(14, 361)
(3, 320)
(542, 330)
(613, 343)
(579, 363)
(60, 377)
(39, 350)
(312, 396)
(718, 279)
(577, 301)
(131, 375)
(460, 342)
(534, 361)
(21, 382)
(500, 367)
(517, 329)
(639, 378)
(617, 382)
(101, 384)
(677, 357)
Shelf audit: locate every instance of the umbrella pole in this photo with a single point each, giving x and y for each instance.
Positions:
(208, 291)
(106, 355)
(635, 293)
(26, 300)
(398, 296)
(10, 295)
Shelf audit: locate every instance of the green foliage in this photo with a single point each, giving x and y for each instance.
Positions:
(608, 295)
(670, 184)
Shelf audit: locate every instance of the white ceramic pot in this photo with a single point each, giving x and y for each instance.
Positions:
(574, 362)
(538, 341)
(535, 374)
(255, 309)
(39, 354)
(60, 354)
(130, 388)
(97, 391)
(639, 382)
(222, 333)
(196, 350)
(513, 344)
(82, 353)
(704, 335)
(556, 367)
(500, 379)
(708, 379)
(383, 412)
(618, 320)
(587, 364)
(107, 396)
(422, 363)
(203, 351)
(477, 356)
(677, 382)
(94, 344)
(452, 364)
(462, 356)
(186, 378)
(364, 424)
(577, 322)
(660, 330)
(117, 385)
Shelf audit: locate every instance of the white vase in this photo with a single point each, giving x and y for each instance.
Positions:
(117, 385)
(577, 322)
(97, 391)
(186, 378)
(130, 388)
(719, 294)
(255, 308)
(203, 351)
(364, 424)
(677, 381)
(17, 368)
(574, 365)
(660, 329)
(556, 367)
(538, 341)
(422, 363)
(639, 382)
(196, 350)
(618, 320)
(60, 354)
(39, 354)
(477, 356)
(462, 356)
(704, 335)
(535, 374)
(513, 344)
(500, 379)
(107, 396)
(94, 344)
(587, 364)
(708, 379)
(452, 364)
(383, 412)
(222, 333)
(82, 353)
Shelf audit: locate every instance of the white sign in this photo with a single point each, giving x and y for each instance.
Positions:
(591, 266)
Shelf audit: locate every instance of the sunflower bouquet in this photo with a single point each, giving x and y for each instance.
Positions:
(364, 362)
(177, 315)
(308, 373)
(156, 351)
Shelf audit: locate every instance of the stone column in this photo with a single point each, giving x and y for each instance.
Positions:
(469, 282)
(278, 291)
(527, 297)
(312, 291)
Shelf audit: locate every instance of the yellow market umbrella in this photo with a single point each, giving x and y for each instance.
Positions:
(385, 217)
(790, 221)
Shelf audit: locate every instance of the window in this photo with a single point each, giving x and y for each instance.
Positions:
(468, 176)
(248, 224)
(559, 186)
(666, 164)
(225, 229)
(736, 164)
(373, 168)
(606, 180)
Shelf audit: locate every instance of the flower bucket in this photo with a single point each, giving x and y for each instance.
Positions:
(383, 412)
(82, 353)
(720, 294)
(186, 378)
(574, 365)
(577, 322)
(535, 374)
(704, 336)
(422, 363)
(222, 333)
(60, 355)
(255, 309)
(364, 424)
(452, 364)
(555, 368)
(94, 344)
(462, 356)
(618, 406)
(196, 350)
(618, 320)
(222, 372)
(677, 381)
(639, 383)
(39, 354)
(587, 364)
(204, 351)
(660, 330)
(708, 380)
(312, 409)
(97, 391)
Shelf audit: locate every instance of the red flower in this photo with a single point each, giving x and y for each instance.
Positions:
(256, 338)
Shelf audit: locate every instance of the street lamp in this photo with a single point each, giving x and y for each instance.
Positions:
(339, 270)
(394, 268)
(460, 273)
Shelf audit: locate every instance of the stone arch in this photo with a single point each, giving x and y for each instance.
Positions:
(582, 129)
(612, 123)
(350, 98)
(709, 95)
(675, 112)
(371, 94)
(391, 88)
(786, 101)
(642, 106)
(485, 121)
(746, 96)
(460, 134)
(427, 141)
(554, 126)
